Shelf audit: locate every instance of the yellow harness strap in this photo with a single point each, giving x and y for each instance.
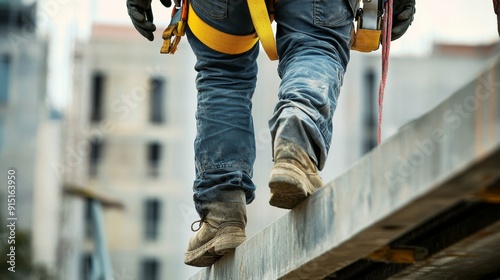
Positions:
(237, 44)
(363, 40)
(262, 24)
(218, 40)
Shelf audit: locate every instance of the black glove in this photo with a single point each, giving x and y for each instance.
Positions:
(402, 17)
(142, 16)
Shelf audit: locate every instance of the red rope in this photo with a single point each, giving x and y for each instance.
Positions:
(386, 48)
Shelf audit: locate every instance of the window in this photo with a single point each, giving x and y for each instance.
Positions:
(86, 266)
(150, 269)
(97, 93)
(5, 12)
(4, 78)
(2, 134)
(152, 219)
(370, 114)
(156, 105)
(16, 16)
(154, 158)
(95, 155)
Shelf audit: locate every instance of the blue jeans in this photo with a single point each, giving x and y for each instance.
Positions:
(313, 45)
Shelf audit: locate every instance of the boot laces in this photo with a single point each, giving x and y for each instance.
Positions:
(199, 222)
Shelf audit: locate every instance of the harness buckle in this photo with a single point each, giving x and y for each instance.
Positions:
(367, 36)
(175, 30)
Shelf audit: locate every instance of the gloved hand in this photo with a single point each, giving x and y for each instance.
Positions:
(402, 17)
(142, 16)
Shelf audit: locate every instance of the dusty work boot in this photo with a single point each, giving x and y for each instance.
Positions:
(220, 231)
(294, 175)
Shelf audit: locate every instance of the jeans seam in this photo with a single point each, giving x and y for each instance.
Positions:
(208, 168)
(319, 22)
(216, 15)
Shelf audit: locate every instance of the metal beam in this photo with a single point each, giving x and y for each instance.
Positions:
(103, 262)
(448, 155)
(88, 193)
(475, 257)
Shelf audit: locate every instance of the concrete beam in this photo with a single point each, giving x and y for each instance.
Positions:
(450, 154)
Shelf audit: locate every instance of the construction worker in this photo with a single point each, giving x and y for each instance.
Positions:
(313, 43)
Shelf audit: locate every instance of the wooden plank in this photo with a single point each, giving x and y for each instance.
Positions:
(445, 156)
(88, 193)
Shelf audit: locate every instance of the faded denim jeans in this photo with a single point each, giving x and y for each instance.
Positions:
(313, 45)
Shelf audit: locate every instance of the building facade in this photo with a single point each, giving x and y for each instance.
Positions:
(141, 104)
(36, 70)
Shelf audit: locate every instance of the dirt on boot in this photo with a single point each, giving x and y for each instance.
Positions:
(294, 175)
(220, 232)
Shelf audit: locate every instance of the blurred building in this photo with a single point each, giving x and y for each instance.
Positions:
(141, 110)
(22, 74)
(23, 111)
(37, 71)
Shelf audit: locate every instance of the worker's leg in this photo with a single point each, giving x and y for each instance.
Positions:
(313, 44)
(224, 144)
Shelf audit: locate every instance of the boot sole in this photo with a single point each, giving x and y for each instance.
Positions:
(213, 250)
(288, 185)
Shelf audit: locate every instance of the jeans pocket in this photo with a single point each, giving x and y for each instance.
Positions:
(215, 9)
(333, 13)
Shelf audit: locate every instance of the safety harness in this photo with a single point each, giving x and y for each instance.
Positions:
(373, 29)
(262, 15)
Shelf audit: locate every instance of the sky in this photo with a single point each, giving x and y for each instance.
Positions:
(448, 21)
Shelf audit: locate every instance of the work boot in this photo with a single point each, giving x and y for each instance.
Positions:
(294, 175)
(220, 231)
